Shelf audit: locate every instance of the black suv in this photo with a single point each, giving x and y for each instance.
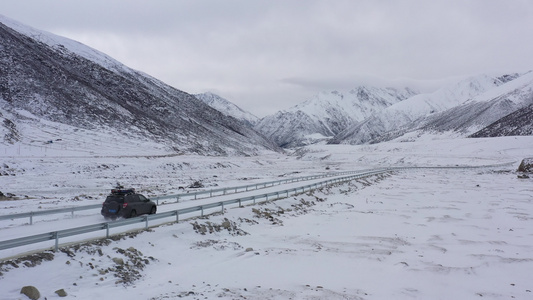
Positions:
(126, 203)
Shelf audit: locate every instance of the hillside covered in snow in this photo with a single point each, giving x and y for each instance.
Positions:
(53, 88)
(517, 123)
(228, 108)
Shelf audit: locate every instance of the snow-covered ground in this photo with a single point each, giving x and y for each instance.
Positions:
(416, 234)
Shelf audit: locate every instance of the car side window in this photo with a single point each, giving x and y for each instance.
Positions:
(132, 198)
(142, 198)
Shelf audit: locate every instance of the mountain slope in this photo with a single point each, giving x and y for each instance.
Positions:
(484, 109)
(519, 122)
(43, 76)
(228, 108)
(327, 114)
(419, 110)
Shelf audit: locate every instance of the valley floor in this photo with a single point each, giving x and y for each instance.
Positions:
(415, 234)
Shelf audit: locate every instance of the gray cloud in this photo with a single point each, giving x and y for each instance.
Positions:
(269, 55)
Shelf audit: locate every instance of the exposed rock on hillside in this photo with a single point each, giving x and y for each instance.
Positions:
(519, 122)
(526, 165)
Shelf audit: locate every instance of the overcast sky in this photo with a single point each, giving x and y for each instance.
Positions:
(270, 55)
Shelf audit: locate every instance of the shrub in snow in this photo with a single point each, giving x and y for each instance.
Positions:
(196, 185)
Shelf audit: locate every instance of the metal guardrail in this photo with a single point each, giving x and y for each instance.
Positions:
(249, 187)
(56, 235)
(32, 214)
(210, 193)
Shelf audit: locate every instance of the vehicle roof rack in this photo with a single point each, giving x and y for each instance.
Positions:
(122, 191)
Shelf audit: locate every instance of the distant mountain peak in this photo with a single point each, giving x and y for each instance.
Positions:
(227, 108)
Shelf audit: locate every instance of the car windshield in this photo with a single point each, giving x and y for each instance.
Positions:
(111, 198)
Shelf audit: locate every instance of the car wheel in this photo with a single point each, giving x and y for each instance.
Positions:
(133, 214)
(153, 210)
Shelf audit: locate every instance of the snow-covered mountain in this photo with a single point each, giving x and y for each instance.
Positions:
(463, 108)
(484, 109)
(327, 114)
(47, 81)
(228, 108)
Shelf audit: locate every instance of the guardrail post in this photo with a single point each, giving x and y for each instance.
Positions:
(240, 203)
(56, 237)
(202, 210)
(31, 217)
(146, 222)
(106, 230)
(177, 216)
(222, 207)
(253, 198)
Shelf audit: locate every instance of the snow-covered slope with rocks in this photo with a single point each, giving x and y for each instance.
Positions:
(454, 107)
(48, 82)
(228, 108)
(519, 122)
(327, 114)
(62, 44)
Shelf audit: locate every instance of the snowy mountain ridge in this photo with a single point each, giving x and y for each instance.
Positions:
(484, 109)
(327, 114)
(227, 108)
(445, 97)
(425, 111)
(61, 44)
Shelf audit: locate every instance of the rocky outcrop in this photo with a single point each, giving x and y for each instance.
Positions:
(526, 165)
(517, 123)
(61, 293)
(31, 292)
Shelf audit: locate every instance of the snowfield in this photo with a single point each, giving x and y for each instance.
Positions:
(415, 234)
